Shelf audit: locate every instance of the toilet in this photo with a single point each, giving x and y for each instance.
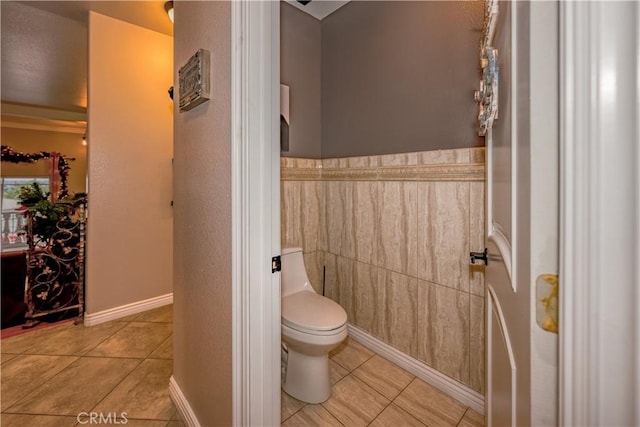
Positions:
(312, 326)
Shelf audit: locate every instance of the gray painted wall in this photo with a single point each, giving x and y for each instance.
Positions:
(399, 77)
(300, 65)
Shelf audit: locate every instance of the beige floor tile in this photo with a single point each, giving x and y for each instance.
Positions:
(73, 340)
(25, 373)
(350, 354)
(136, 339)
(354, 403)
(22, 420)
(162, 314)
(6, 357)
(176, 415)
(129, 318)
(336, 372)
(289, 405)
(142, 394)
(430, 405)
(472, 419)
(79, 387)
(175, 423)
(311, 416)
(165, 351)
(393, 416)
(136, 423)
(383, 376)
(20, 343)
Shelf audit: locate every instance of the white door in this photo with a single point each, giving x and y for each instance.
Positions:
(508, 296)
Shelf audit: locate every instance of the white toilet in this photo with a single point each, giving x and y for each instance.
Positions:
(312, 326)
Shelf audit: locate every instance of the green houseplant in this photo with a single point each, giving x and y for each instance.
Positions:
(44, 212)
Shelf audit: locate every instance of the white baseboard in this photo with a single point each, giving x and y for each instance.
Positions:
(426, 373)
(127, 310)
(182, 404)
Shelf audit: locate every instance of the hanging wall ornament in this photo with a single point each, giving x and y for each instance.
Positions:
(487, 96)
(10, 155)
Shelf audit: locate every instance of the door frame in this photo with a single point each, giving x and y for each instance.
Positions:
(599, 344)
(587, 352)
(255, 195)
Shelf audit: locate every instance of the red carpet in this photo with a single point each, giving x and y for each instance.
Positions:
(19, 330)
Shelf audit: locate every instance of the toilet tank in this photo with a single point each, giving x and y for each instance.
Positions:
(294, 275)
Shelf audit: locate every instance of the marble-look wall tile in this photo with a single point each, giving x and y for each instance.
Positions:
(330, 163)
(397, 222)
(378, 238)
(443, 319)
(443, 233)
(332, 289)
(323, 240)
(302, 212)
(366, 296)
(365, 232)
(477, 155)
(363, 161)
(401, 159)
(339, 218)
(476, 344)
(314, 263)
(397, 311)
(345, 268)
(290, 214)
(443, 157)
(299, 162)
(312, 208)
(476, 236)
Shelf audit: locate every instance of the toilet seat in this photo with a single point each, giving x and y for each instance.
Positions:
(314, 314)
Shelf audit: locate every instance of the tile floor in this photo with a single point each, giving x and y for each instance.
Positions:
(369, 390)
(48, 376)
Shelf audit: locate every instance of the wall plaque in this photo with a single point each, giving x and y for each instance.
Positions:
(194, 79)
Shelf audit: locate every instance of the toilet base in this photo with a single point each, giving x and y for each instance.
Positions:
(307, 377)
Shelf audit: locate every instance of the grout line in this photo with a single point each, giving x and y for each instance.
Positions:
(333, 416)
(116, 385)
(6, 412)
(405, 387)
(417, 276)
(78, 358)
(43, 384)
(355, 378)
(295, 412)
(462, 417)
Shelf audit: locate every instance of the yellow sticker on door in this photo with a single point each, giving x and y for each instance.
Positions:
(547, 302)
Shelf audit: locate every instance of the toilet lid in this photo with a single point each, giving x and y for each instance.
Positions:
(308, 310)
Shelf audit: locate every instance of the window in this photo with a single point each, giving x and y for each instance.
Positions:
(13, 223)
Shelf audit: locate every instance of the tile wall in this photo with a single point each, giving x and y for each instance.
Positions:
(393, 233)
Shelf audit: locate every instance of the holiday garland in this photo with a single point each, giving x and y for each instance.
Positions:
(10, 155)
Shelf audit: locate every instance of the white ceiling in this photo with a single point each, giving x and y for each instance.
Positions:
(319, 9)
